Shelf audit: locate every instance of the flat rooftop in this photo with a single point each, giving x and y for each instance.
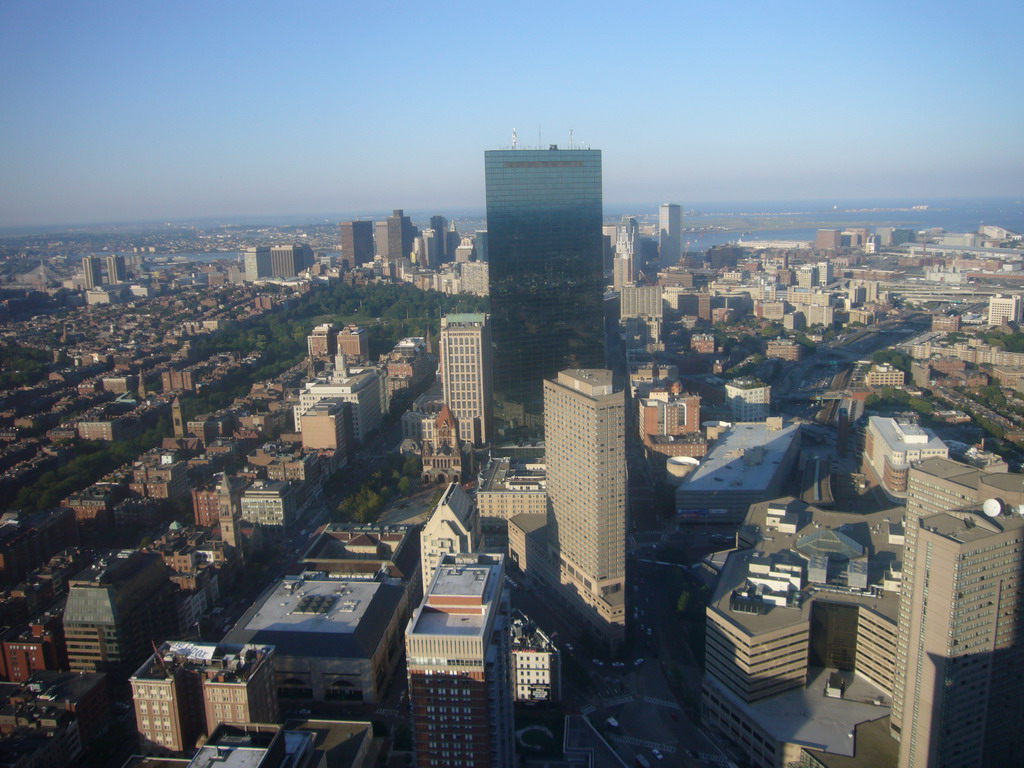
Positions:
(810, 718)
(299, 605)
(744, 458)
(459, 601)
(900, 436)
(320, 617)
(870, 531)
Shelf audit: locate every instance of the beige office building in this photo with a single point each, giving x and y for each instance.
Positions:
(584, 430)
(962, 689)
(956, 697)
(466, 371)
(801, 637)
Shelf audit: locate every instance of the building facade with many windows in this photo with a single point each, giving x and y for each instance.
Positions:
(545, 253)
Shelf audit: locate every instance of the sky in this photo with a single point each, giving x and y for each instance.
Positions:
(155, 110)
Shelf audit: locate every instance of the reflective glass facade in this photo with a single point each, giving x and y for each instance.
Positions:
(546, 282)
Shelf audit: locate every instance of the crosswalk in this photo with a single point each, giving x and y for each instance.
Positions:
(616, 701)
(635, 742)
(661, 702)
(709, 758)
(388, 712)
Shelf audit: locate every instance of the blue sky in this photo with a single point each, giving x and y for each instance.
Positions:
(116, 111)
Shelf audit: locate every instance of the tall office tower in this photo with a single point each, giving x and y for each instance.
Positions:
(400, 235)
(627, 251)
(357, 242)
(438, 246)
(466, 371)
(932, 644)
(585, 439)
(1004, 309)
(480, 244)
(257, 263)
(115, 269)
(670, 233)
(963, 650)
(91, 270)
(289, 260)
(547, 282)
(452, 240)
(186, 689)
(380, 239)
(457, 651)
(115, 609)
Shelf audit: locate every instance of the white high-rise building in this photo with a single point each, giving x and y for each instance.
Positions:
(1005, 309)
(466, 371)
(627, 250)
(748, 399)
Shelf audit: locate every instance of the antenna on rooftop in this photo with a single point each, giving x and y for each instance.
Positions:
(570, 138)
(515, 140)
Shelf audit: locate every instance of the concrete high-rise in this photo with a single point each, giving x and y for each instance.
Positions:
(357, 242)
(257, 263)
(1005, 309)
(962, 641)
(959, 644)
(289, 260)
(91, 270)
(466, 373)
(547, 283)
(460, 682)
(115, 269)
(670, 233)
(585, 439)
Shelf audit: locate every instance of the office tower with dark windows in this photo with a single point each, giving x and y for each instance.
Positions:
(457, 648)
(289, 260)
(466, 366)
(400, 234)
(91, 270)
(357, 242)
(115, 269)
(585, 439)
(547, 283)
(670, 233)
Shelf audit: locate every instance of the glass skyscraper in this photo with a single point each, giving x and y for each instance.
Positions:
(546, 281)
